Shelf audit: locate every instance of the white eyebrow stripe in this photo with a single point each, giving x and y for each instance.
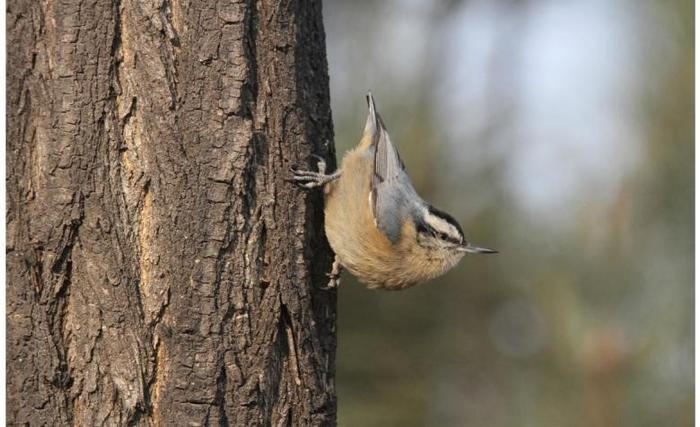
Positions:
(443, 226)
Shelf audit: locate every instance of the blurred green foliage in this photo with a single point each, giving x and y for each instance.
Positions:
(585, 318)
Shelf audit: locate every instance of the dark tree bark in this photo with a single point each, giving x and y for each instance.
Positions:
(160, 269)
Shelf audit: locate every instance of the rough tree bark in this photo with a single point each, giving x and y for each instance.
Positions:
(160, 269)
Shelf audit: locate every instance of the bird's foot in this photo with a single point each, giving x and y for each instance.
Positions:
(334, 275)
(310, 179)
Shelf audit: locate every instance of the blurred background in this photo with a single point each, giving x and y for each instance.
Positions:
(559, 132)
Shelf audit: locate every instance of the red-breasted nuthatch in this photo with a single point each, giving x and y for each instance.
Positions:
(379, 227)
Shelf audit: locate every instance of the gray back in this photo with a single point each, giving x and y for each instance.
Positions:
(394, 200)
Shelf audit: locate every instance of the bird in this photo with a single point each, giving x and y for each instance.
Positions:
(380, 229)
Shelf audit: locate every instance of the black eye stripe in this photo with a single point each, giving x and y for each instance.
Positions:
(424, 227)
(444, 236)
(450, 239)
(445, 217)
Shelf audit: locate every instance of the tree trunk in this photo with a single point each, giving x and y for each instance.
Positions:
(161, 270)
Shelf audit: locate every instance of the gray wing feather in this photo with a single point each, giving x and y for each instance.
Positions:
(387, 162)
(393, 197)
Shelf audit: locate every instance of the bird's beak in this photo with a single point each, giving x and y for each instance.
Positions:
(472, 249)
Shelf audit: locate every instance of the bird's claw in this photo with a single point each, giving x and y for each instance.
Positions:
(334, 275)
(310, 179)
